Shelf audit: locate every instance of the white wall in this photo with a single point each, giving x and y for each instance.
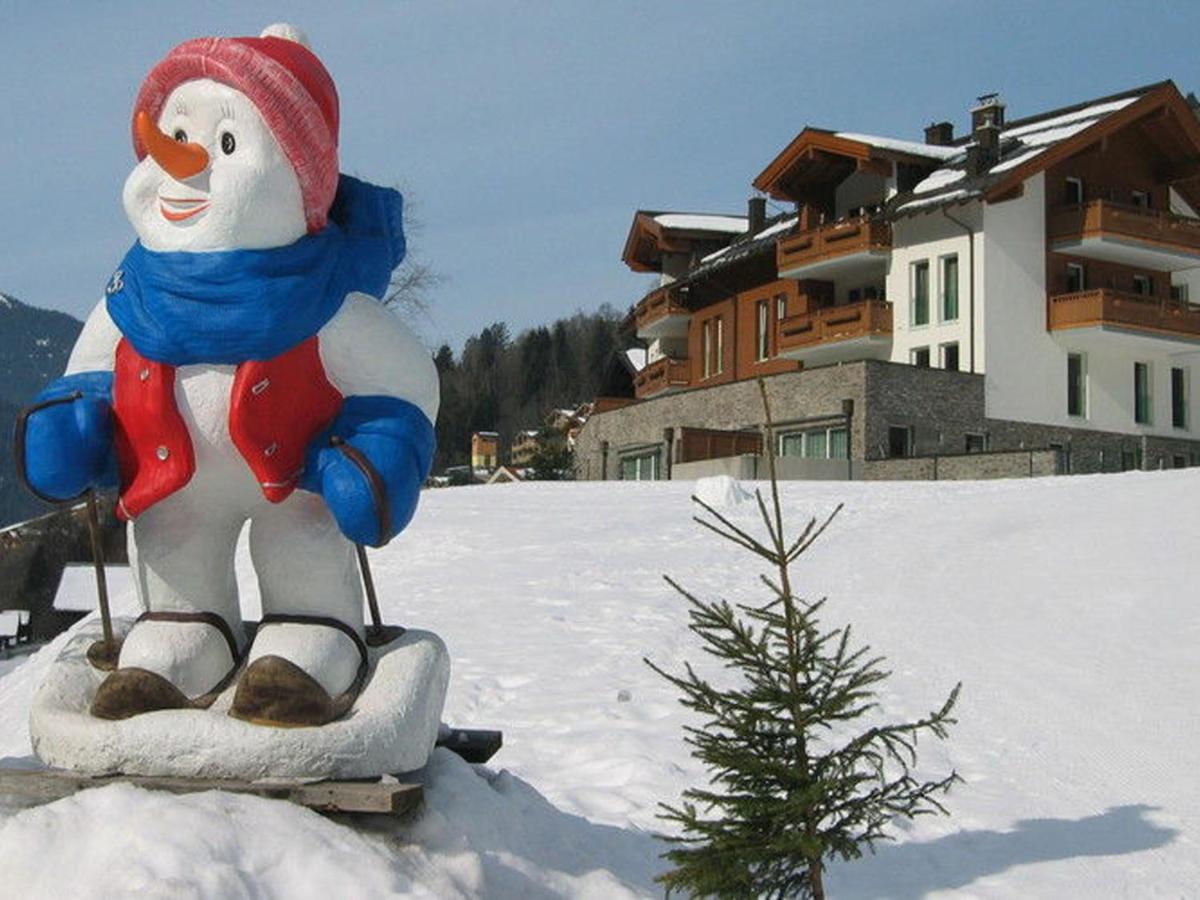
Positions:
(930, 237)
(1189, 277)
(1027, 364)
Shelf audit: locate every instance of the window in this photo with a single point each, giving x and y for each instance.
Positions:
(763, 335)
(719, 361)
(919, 356)
(642, 467)
(1179, 292)
(815, 443)
(1141, 393)
(1143, 284)
(899, 441)
(1142, 199)
(1179, 461)
(1130, 459)
(920, 293)
(781, 307)
(707, 330)
(950, 356)
(1179, 398)
(854, 295)
(949, 288)
(1073, 195)
(1076, 278)
(1076, 384)
(976, 443)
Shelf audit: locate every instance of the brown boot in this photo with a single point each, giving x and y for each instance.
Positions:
(131, 691)
(275, 691)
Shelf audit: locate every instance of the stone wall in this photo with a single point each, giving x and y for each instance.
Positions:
(807, 397)
(941, 408)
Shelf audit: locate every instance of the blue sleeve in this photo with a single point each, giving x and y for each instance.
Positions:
(369, 466)
(64, 440)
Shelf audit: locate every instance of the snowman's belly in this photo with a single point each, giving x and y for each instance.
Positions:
(202, 393)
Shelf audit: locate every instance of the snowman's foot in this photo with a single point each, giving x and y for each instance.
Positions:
(134, 689)
(273, 690)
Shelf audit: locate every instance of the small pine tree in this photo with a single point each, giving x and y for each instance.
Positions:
(791, 785)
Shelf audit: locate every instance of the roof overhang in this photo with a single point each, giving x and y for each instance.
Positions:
(649, 238)
(818, 157)
(1167, 121)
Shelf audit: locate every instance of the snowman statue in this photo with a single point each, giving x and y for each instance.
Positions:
(240, 371)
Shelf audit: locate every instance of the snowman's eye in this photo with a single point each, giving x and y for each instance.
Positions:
(180, 135)
(228, 144)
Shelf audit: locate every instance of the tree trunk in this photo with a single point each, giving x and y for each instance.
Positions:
(814, 881)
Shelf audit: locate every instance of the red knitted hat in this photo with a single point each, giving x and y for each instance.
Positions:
(291, 88)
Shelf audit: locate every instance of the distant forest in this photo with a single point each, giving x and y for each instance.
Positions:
(505, 384)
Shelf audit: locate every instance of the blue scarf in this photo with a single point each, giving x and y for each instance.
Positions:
(231, 306)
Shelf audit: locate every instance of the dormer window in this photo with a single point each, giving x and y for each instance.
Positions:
(1074, 192)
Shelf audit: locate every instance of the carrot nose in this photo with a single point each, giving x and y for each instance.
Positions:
(178, 160)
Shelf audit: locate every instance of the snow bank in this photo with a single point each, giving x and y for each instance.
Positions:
(721, 492)
(1062, 604)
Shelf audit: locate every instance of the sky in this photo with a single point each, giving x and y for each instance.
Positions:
(525, 134)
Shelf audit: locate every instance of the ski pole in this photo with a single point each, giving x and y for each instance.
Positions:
(377, 633)
(101, 654)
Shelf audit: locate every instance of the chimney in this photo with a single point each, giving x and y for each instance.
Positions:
(939, 134)
(987, 120)
(757, 214)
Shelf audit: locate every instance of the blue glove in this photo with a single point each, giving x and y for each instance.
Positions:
(369, 466)
(68, 438)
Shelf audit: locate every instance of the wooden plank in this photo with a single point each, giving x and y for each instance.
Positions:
(382, 797)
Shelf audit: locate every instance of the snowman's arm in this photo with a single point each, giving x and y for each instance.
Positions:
(371, 481)
(64, 438)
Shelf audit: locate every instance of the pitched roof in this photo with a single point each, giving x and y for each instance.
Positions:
(655, 232)
(1032, 144)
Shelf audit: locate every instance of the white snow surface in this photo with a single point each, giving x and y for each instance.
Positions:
(914, 148)
(704, 222)
(1061, 604)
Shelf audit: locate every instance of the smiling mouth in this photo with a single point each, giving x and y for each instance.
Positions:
(180, 209)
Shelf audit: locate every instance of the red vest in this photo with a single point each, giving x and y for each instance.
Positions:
(276, 408)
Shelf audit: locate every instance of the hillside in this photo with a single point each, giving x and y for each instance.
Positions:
(34, 346)
(1068, 615)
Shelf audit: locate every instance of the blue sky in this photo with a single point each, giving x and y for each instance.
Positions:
(525, 134)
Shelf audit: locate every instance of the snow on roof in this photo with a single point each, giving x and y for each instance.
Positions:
(704, 222)
(1096, 111)
(487, 434)
(780, 226)
(1019, 144)
(948, 197)
(911, 147)
(939, 179)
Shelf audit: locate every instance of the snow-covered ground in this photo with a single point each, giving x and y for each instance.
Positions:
(1068, 608)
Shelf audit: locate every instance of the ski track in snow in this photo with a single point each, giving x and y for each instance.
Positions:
(1066, 606)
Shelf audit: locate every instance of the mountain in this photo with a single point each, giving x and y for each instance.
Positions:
(34, 346)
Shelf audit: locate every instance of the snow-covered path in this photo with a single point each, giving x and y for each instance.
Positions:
(1066, 606)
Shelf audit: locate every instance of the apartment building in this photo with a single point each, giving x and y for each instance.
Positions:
(1026, 294)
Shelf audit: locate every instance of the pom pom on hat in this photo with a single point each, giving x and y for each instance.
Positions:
(286, 82)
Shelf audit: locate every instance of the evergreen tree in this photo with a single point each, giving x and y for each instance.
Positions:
(553, 459)
(793, 784)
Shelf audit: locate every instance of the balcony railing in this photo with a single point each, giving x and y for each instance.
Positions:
(661, 375)
(825, 243)
(1136, 311)
(657, 308)
(1105, 219)
(870, 318)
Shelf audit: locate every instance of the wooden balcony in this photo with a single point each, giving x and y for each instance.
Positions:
(661, 376)
(838, 334)
(1106, 309)
(659, 314)
(827, 250)
(1129, 235)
